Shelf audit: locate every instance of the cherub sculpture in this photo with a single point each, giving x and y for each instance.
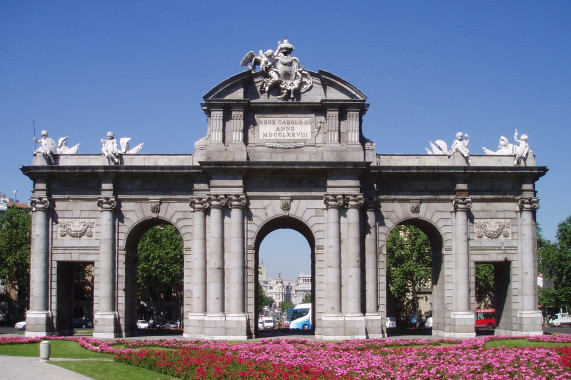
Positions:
(112, 151)
(460, 145)
(522, 150)
(48, 147)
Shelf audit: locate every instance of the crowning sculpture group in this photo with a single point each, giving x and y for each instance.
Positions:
(113, 151)
(281, 69)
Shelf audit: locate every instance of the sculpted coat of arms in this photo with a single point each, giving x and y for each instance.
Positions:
(281, 69)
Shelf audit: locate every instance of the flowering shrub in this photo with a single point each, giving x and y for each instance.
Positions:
(565, 353)
(357, 359)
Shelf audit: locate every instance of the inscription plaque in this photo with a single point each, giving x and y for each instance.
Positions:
(284, 128)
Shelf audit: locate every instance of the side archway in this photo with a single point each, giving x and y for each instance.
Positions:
(129, 304)
(434, 293)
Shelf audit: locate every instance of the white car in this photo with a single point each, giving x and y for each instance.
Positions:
(20, 325)
(391, 322)
(268, 323)
(428, 323)
(142, 324)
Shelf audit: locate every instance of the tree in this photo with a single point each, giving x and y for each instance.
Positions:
(160, 266)
(307, 298)
(555, 264)
(485, 285)
(409, 268)
(15, 244)
(286, 305)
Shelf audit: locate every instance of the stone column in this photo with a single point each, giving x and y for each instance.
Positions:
(235, 260)
(194, 325)
(215, 256)
(373, 318)
(354, 203)
(199, 206)
(463, 318)
(39, 316)
(105, 318)
(333, 255)
(529, 317)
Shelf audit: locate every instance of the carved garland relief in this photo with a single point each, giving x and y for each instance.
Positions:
(76, 229)
(492, 229)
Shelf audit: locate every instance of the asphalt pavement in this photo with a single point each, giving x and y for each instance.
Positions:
(27, 368)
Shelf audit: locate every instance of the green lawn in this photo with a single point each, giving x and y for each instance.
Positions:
(97, 365)
(104, 370)
(512, 343)
(60, 349)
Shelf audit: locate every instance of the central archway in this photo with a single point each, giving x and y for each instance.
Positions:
(283, 223)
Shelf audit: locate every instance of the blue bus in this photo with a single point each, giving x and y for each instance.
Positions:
(300, 317)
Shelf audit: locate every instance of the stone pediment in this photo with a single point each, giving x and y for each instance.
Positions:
(245, 87)
(249, 119)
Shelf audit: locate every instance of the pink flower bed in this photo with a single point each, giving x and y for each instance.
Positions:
(358, 359)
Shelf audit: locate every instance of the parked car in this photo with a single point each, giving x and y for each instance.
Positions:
(142, 324)
(170, 325)
(20, 325)
(428, 323)
(391, 322)
(560, 319)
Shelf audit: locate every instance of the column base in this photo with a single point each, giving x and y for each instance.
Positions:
(343, 327)
(194, 326)
(105, 325)
(374, 326)
(355, 327)
(529, 323)
(39, 323)
(225, 326)
(463, 324)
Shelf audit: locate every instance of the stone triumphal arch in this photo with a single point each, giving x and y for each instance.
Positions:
(285, 148)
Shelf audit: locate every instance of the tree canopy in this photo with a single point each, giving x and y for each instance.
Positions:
(485, 286)
(555, 264)
(160, 265)
(409, 268)
(15, 240)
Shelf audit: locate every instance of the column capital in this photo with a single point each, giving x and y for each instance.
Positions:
(354, 200)
(333, 200)
(199, 203)
(217, 200)
(107, 203)
(462, 203)
(528, 203)
(237, 200)
(40, 203)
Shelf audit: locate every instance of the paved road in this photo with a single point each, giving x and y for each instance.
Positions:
(28, 368)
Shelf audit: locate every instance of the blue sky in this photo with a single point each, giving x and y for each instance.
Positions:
(429, 69)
